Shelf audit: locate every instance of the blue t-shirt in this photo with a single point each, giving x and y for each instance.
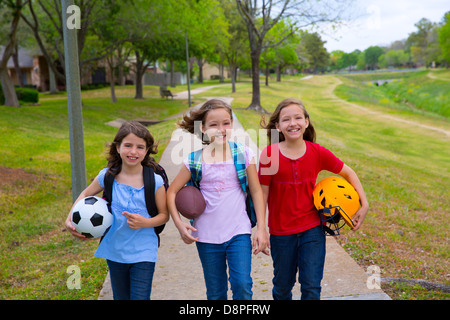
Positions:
(123, 244)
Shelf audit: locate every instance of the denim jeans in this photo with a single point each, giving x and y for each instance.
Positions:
(237, 252)
(304, 252)
(131, 281)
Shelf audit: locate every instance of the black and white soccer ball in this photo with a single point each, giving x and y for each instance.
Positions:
(91, 217)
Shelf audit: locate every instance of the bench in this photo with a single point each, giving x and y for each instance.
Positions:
(165, 93)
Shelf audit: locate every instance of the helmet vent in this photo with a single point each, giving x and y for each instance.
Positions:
(342, 187)
(323, 202)
(321, 191)
(348, 196)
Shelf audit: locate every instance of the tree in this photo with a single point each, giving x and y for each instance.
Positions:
(347, 60)
(261, 16)
(237, 45)
(207, 28)
(44, 18)
(424, 44)
(444, 38)
(371, 55)
(286, 55)
(14, 8)
(314, 50)
(393, 58)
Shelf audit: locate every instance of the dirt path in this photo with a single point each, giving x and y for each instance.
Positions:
(329, 92)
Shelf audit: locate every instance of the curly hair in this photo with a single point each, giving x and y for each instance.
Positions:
(194, 119)
(310, 132)
(139, 130)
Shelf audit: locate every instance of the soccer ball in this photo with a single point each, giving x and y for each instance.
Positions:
(91, 217)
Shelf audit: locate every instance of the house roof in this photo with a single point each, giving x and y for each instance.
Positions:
(25, 58)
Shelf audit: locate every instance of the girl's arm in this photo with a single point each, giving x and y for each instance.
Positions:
(180, 180)
(137, 221)
(93, 189)
(348, 174)
(261, 239)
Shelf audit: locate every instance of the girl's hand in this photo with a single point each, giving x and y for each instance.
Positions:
(183, 229)
(73, 231)
(136, 221)
(359, 217)
(261, 242)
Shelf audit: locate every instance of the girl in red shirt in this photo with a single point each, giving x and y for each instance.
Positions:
(287, 172)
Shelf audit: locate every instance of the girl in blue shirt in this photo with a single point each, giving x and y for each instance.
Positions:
(130, 247)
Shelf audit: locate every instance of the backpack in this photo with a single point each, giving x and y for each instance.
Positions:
(149, 189)
(238, 153)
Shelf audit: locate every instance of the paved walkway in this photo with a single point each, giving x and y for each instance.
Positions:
(179, 275)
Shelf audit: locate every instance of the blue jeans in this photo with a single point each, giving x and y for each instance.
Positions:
(214, 257)
(131, 281)
(304, 251)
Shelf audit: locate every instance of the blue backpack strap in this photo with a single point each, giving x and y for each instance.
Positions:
(238, 154)
(195, 166)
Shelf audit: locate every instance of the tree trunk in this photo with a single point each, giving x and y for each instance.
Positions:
(278, 73)
(139, 88)
(221, 73)
(172, 74)
(8, 88)
(5, 79)
(15, 57)
(110, 61)
(139, 75)
(256, 94)
(233, 70)
(52, 79)
(200, 70)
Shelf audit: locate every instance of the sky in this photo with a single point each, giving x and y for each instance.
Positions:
(382, 22)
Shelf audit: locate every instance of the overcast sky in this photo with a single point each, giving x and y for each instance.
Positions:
(382, 22)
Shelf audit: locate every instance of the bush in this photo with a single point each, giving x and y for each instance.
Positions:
(26, 95)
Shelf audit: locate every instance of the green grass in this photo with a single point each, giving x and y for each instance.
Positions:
(34, 250)
(404, 168)
(421, 92)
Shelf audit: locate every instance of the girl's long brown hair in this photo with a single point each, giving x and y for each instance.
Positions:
(310, 132)
(139, 130)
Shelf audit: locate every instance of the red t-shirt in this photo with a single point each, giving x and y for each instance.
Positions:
(291, 182)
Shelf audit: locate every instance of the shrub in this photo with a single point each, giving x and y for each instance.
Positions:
(27, 95)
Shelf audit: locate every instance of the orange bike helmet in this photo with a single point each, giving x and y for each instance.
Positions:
(337, 202)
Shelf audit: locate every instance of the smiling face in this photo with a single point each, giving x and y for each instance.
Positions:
(217, 125)
(292, 122)
(132, 150)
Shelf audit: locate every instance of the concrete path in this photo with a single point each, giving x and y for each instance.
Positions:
(179, 275)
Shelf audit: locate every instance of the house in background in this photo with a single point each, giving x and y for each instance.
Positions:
(34, 72)
(33, 69)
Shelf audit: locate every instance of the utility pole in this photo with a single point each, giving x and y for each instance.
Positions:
(77, 160)
(188, 69)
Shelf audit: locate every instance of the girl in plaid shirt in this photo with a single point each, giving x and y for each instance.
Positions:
(222, 233)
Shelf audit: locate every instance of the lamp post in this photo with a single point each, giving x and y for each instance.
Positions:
(77, 160)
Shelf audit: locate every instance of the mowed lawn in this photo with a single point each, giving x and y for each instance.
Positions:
(35, 188)
(401, 157)
(403, 160)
